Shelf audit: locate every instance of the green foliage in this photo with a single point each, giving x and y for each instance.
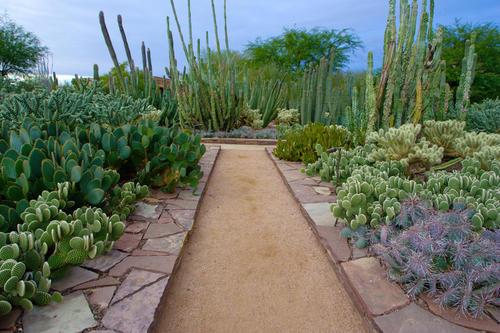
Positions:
(20, 50)
(295, 49)
(299, 145)
(484, 117)
(487, 78)
(72, 108)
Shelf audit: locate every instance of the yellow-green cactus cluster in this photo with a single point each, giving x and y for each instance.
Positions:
(287, 116)
(444, 134)
(402, 144)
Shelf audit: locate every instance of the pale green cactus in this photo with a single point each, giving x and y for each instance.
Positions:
(444, 134)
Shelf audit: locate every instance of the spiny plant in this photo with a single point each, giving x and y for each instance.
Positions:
(442, 255)
(484, 117)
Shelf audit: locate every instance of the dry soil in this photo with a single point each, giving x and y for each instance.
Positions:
(252, 263)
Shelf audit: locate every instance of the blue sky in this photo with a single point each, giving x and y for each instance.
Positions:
(70, 28)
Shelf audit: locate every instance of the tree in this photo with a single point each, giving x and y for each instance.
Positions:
(487, 46)
(20, 51)
(296, 48)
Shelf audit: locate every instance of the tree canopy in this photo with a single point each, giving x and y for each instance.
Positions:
(20, 50)
(487, 46)
(296, 48)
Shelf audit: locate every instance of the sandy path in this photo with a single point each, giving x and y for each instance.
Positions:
(252, 263)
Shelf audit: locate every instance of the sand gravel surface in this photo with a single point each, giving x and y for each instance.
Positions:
(252, 263)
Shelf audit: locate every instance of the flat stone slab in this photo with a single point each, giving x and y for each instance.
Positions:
(160, 264)
(104, 282)
(147, 211)
(323, 190)
(181, 204)
(330, 237)
(320, 213)
(135, 313)
(171, 244)
(73, 315)
(136, 227)
(105, 262)
(188, 195)
(76, 275)
(369, 281)
(185, 218)
(483, 323)
(128, 242)
(412, 319)
(8, 321)
(358, 253)
(100, 297)
(495, 312)
(293, 175)
(165, 217)
(160, 195)
(157, 230)
(135, 280)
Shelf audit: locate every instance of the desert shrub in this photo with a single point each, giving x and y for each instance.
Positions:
(300, 144)
(484, 117)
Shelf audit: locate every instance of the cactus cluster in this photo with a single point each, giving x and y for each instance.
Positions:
(403, 144)
(300, 144)
(484, 117)
(287, 116)
(444, 134)
(72, 108)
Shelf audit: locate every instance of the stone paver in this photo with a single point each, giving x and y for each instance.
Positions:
(323, 190)
(320, 213)
(147, 211)
(495, 313)
(171, 244)
(368, 279)
(484, 323)
(106, 261)
(159, 194)
(136, 227)
(157, 230)
(71, 316)
(144, 253)
(135, 313)
(100, 297)
(181, 204)
(128, 242)
(76, 275)
(104, 282)
(331, 239)
(135, 280)
(165, 217)
(293, 175)
(412, 319)
(8, 321)
(160, 264)
(185, 218)
(188, 195)
(358, 253)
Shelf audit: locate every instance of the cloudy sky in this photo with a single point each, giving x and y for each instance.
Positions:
(70, 28)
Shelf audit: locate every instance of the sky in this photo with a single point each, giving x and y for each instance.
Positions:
(71, 30)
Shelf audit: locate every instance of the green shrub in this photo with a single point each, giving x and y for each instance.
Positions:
(484, 117)
(300, 144)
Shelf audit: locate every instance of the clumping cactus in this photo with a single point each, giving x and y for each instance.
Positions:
(444, 134)
(402, 144)
(287, 116)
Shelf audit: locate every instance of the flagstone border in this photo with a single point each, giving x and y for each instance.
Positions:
(120, 292)
(382, 304)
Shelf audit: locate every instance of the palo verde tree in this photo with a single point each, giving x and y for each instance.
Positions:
(295, 49)
(20, 50)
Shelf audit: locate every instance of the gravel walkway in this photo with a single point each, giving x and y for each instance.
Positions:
(252, 263)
